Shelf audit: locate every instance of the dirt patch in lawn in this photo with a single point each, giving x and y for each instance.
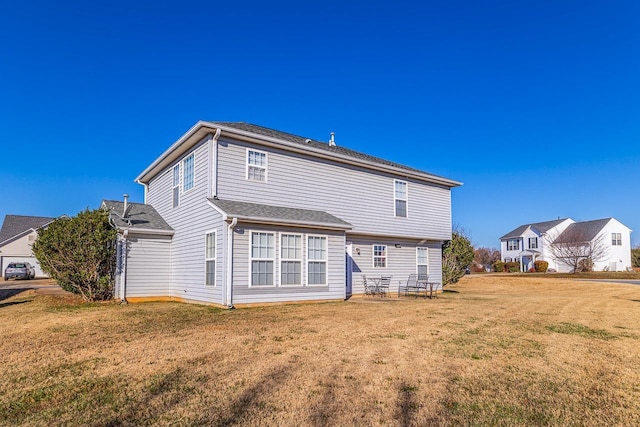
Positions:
(493, 350)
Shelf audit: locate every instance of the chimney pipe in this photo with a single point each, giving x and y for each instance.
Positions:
(332, 140)
(124, 211)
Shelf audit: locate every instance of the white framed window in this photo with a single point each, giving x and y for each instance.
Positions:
(291, 259)
(513, 244)
(210, 258)
(188, 172)
(262, 255)
(316, 260)
(256, 165)
(533, 243)
(380, 256)
(616, 239)
(400, 198)
(176, 185)
(422, 263)
(507, 259)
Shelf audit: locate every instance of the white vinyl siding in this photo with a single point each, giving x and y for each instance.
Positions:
(187, 165)
(380, 256)
(400, 198)
(256, 165)
(176, 186)
(262, 258)
(316, 260)
(422, 263)
(210, 258)
(291, 259)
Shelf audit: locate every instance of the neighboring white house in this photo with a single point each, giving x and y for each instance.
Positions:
(531, 242)
(17, 235)
(254, 215)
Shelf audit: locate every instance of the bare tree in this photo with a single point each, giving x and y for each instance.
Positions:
(577, 248)
(486, 256)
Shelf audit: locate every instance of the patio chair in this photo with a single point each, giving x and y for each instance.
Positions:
(383, 288)
(410, 286)
(368, 289)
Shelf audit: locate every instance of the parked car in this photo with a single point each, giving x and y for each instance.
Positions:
(19, 270)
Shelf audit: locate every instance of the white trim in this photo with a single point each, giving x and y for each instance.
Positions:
(214, 258)
(213, 164)
(300, 260)
(325, 260)
(265, 167)
(174, 185)
(406, 198)
(251, 259)
(148, 231)
(373, 255)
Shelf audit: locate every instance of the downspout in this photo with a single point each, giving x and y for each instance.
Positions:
(214, 164)
(123, 275)
(228, 300)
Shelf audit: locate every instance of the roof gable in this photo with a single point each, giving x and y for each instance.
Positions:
(14, 225)
(541, 227)
(584, 231)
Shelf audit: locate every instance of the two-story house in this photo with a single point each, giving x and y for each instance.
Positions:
(246, 214)
(531, 242)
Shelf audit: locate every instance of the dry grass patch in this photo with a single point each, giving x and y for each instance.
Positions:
(491, 351)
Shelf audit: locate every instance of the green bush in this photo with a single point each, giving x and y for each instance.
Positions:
(498, 266)
(512, 266)
(541, 266)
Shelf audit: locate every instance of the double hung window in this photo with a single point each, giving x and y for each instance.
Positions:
(256, 166)
(380, 256)
(176, 185)
(513, 244)
(188, 169)
(422, 263)
(316, 260)
(400, 197)
(533, 243)
(210, 258)
(291, 259)
(616, 239)
(262, 258)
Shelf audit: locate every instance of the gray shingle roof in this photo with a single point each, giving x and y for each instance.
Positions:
(542, 227)
(307, 142)
(584, 231)
(255, 212)
(138, 215)
(13, 225)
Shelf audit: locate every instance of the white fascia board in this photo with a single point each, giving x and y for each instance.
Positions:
(202, 128)
(396, 236)
(220, 211)
(281, 222)
(149, 231)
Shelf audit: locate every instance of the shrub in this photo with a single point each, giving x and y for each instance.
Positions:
(585, 265)
(512, 266)
(532, 270)
(635, 257)
(541, 266)
(79, 253)
(498, 267)
(477, 268)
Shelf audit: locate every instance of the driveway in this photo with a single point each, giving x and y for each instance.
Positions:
(10, 288)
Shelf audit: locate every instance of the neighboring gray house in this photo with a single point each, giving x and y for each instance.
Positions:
(17, 235)
(255, 215)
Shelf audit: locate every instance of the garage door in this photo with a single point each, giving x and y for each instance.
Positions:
(5, 260)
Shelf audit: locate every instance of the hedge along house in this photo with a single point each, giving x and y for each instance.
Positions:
(263, 216)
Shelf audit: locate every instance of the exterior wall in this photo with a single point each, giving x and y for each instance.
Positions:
(401, 262)
(362, 197)
(20, 250)
(148, 266)
(243, 293)
(191, 220)
(618, 256)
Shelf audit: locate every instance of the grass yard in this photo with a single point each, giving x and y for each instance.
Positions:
(493, 350)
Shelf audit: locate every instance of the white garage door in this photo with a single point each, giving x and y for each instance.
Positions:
(30, 259)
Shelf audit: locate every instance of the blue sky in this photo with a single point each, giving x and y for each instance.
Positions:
(534, 105)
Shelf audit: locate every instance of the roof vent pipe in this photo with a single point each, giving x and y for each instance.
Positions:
(332, 140)
(124, 210)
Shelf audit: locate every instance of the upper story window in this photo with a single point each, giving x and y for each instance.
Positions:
(513, 244)
(256, 165)
(400, 197)
(210, 258)
(380, 256)
(533, 243)
(262, 258)
(187, 181)
(176, 185)
(616, 239)
(422, 263)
